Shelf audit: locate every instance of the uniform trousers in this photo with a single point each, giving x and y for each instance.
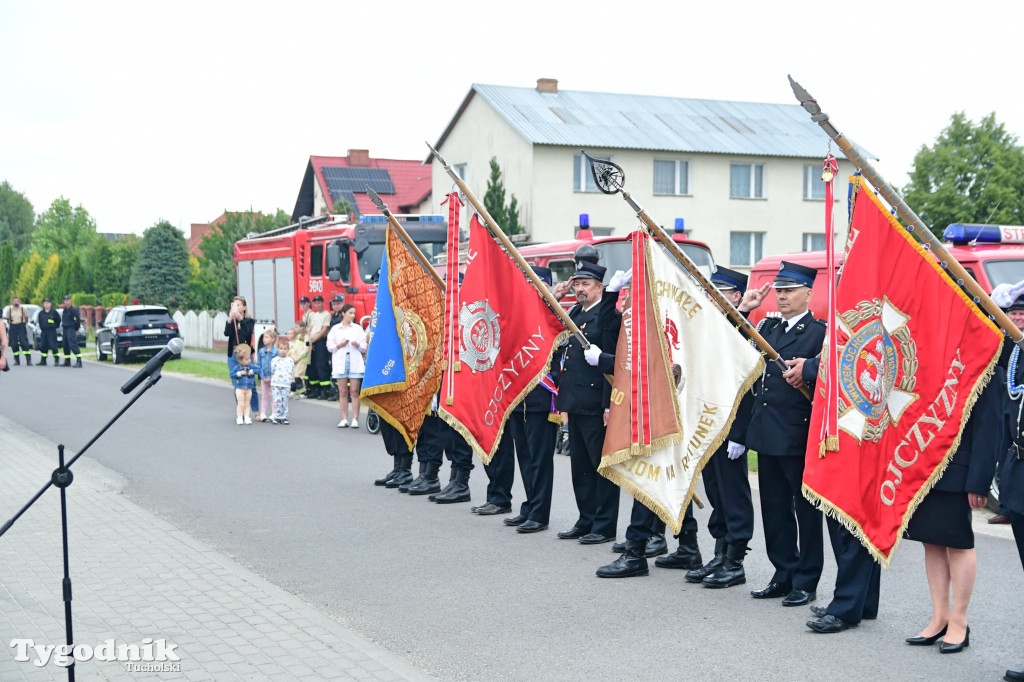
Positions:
(319, 372)
(1017, 523)
(728, 490)
(532, 435)
(71, 349)
(643, 523)
(19, 340)
(435, 437)
(858, 577)
(394, 443)
(48, 342)
(784, 511)
(597, 498)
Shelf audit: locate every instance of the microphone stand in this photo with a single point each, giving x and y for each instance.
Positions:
(62, 478)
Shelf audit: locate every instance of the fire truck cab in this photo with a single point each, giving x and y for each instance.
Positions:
(326, 255)
(992, 254)
(614, 253)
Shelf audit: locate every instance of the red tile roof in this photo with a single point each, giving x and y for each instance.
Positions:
(411, 179)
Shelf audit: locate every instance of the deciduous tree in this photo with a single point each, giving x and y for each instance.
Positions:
(973, 173)
(64, 230)
(16, 218)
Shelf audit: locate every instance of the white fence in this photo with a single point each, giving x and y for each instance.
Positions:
(202, 329)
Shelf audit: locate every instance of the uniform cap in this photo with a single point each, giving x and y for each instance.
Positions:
(585, 269)
(338, 298)
(543, 273)
(792, 275)
(318, 297)
(67, 297)
(46, 300)
(724, 278)
(304, 299)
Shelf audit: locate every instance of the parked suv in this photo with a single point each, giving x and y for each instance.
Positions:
(134, 330)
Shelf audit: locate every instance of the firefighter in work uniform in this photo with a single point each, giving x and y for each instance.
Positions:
(49, 322)
(70, 321)
(17, 318)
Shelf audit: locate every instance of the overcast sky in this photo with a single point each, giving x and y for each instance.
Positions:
(142, 111)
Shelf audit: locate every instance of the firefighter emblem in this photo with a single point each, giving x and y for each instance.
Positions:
(877, 368)
(481, 336)
(414, 336)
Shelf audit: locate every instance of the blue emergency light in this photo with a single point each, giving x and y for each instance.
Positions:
(584, 220)
(962, 233)
(680, 225)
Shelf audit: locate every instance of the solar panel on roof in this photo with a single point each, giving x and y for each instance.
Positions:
(348, 179)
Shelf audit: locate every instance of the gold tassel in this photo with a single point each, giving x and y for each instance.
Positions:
(444, 364)
(832, 443)
(458, 366)
(821, 450)
(555, 417)
(448, 400)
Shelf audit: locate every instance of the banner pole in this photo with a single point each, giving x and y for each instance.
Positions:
(914, 223)
(393, 221)
(512, 250)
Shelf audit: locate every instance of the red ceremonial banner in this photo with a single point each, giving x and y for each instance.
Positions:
(506, 335)
(914, 353)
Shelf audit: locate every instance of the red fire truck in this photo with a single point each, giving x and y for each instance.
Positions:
(276, 268)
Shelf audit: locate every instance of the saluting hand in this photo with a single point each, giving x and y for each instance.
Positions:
(561, 289)
(754, 297)
(794, 376)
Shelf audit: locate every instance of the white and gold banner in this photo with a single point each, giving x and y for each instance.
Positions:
(713, 366)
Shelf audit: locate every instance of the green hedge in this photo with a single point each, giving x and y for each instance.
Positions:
(110, 300)
(80, 299)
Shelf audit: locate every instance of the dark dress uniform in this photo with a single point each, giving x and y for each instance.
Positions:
(70, 321)
(583, 393)
(1011, 474)
(48, 321)
(778, 432)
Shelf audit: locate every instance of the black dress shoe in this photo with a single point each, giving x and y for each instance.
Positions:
(573, 533)
(1014, 675)
(531, 527)
(798, 597)
(517, 520)
(926, 641)
(828, 624)
(492, 510)
(595, 539)
(773, 591)
(819, 611)
(947, 648)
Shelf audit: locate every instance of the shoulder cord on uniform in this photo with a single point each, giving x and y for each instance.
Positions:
(1015, 391)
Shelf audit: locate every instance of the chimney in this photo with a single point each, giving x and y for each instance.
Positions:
(547, 85)
(358, 157)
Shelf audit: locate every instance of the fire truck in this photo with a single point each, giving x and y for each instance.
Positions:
(614, 253)
(326, 255)
(992, 254)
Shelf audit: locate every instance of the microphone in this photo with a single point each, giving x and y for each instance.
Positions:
(155, 363)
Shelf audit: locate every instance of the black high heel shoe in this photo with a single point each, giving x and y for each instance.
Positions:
(945, 648)
(927, 641)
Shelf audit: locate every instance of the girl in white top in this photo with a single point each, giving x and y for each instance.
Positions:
(347, 342)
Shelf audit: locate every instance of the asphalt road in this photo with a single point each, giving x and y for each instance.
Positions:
(462, 597)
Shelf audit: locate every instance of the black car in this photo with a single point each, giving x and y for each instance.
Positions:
(134, 330)
(35, 335)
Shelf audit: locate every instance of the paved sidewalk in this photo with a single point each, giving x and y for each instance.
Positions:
(135, 576)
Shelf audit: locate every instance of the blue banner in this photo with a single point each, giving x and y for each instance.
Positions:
(385, 360)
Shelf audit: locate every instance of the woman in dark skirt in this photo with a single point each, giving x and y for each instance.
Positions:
(943, 521)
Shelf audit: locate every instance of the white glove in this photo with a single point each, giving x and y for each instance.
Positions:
(1005, 294)
(736, 450)
(620, 279)
(592, 355)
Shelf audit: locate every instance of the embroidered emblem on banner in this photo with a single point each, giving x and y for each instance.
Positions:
(877, 368)
(481, 335)
(414, 336)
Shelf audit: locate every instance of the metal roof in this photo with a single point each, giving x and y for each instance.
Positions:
(608, 120)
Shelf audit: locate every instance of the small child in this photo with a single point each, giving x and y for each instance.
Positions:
(283, 372)
(299, 351)
(267, 352)
(242, 380)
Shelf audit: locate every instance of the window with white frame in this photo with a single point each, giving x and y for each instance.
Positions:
(746, 180)
(745, 248)
(582, 178)
(460, 170)
(671, 177)
(814, 186)
(814, 241)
